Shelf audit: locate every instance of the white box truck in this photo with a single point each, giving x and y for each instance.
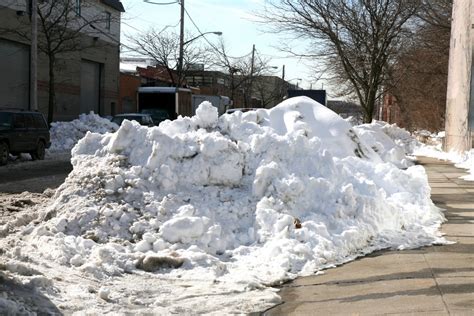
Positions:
(158, 100)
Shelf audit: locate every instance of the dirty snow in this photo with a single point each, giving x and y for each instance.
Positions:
(65, 135)
(204, 214)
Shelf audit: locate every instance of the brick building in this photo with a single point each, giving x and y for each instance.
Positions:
(266, 91)
(389, 111)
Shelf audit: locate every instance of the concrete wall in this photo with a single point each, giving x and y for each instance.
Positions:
(14, 74)
(99, 49)
(459, 79)
(19, 5)
(91, 11)
(471, 95)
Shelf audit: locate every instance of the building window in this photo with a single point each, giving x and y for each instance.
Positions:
(77, 8)
(108, 18)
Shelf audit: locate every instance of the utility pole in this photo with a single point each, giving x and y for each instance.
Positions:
(459, 79)
(284, 87)
(249, 92)
(181, 44)
(34, 56)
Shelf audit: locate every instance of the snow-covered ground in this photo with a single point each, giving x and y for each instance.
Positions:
(205, 214)
(433, 148)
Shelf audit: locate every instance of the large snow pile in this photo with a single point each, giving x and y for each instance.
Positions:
(65, 135)
(390, 142)
(236, 202)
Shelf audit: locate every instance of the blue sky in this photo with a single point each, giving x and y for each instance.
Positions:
(234, 18)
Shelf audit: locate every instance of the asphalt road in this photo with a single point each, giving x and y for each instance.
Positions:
(33, 176)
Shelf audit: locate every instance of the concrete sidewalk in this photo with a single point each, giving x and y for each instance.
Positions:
(436, 280)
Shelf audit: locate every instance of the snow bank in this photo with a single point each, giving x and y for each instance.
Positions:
(432, 146)
(463, 160)
(245, 200)
(65, 135)
(390, 142)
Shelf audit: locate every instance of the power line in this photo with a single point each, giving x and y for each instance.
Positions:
(276, 56)
(211, 44)
(160, 3)
(168, 26)
(161, 31)
(199, 30)
(138, 17)
(104, 33)
(131, 26)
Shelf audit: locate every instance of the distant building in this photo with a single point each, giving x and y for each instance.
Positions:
(346, 109)
(129, 65)
(266, 91)
(87, 79)
(389, 111)
(317, 95)
(157, 76)
(208, 82)
(132, 77)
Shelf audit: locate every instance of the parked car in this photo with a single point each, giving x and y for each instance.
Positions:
(157, 115)
(143, 119)
(23, 132)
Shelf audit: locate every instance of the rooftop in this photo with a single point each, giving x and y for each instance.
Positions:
(116, 4)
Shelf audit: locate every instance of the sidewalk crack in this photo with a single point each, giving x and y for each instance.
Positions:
(437, 285)
(353, 281)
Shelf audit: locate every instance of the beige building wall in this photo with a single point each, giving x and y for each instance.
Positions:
(459, 79)
(101, 48)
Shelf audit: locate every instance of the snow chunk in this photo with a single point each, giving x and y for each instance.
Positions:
(207, 115)
(183, 229)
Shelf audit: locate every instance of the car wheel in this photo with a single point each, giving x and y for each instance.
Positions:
(38, 154)
(3, 154)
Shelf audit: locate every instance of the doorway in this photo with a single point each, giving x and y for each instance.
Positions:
(90, 87)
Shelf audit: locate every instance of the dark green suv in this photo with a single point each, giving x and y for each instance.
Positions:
(23, 132)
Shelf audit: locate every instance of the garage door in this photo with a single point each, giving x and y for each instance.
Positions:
(14, 75)
(90, 87)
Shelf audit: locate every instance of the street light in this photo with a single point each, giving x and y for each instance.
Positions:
(200, 35)
(181, 32)
(297, 81)
(181, 49)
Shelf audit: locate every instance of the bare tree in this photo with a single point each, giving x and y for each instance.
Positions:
(436, 13)
(62, 27)
(418, 77)
(244, 73)
(270, 90)
(356, 39)
(163, 48)
(235, 67)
